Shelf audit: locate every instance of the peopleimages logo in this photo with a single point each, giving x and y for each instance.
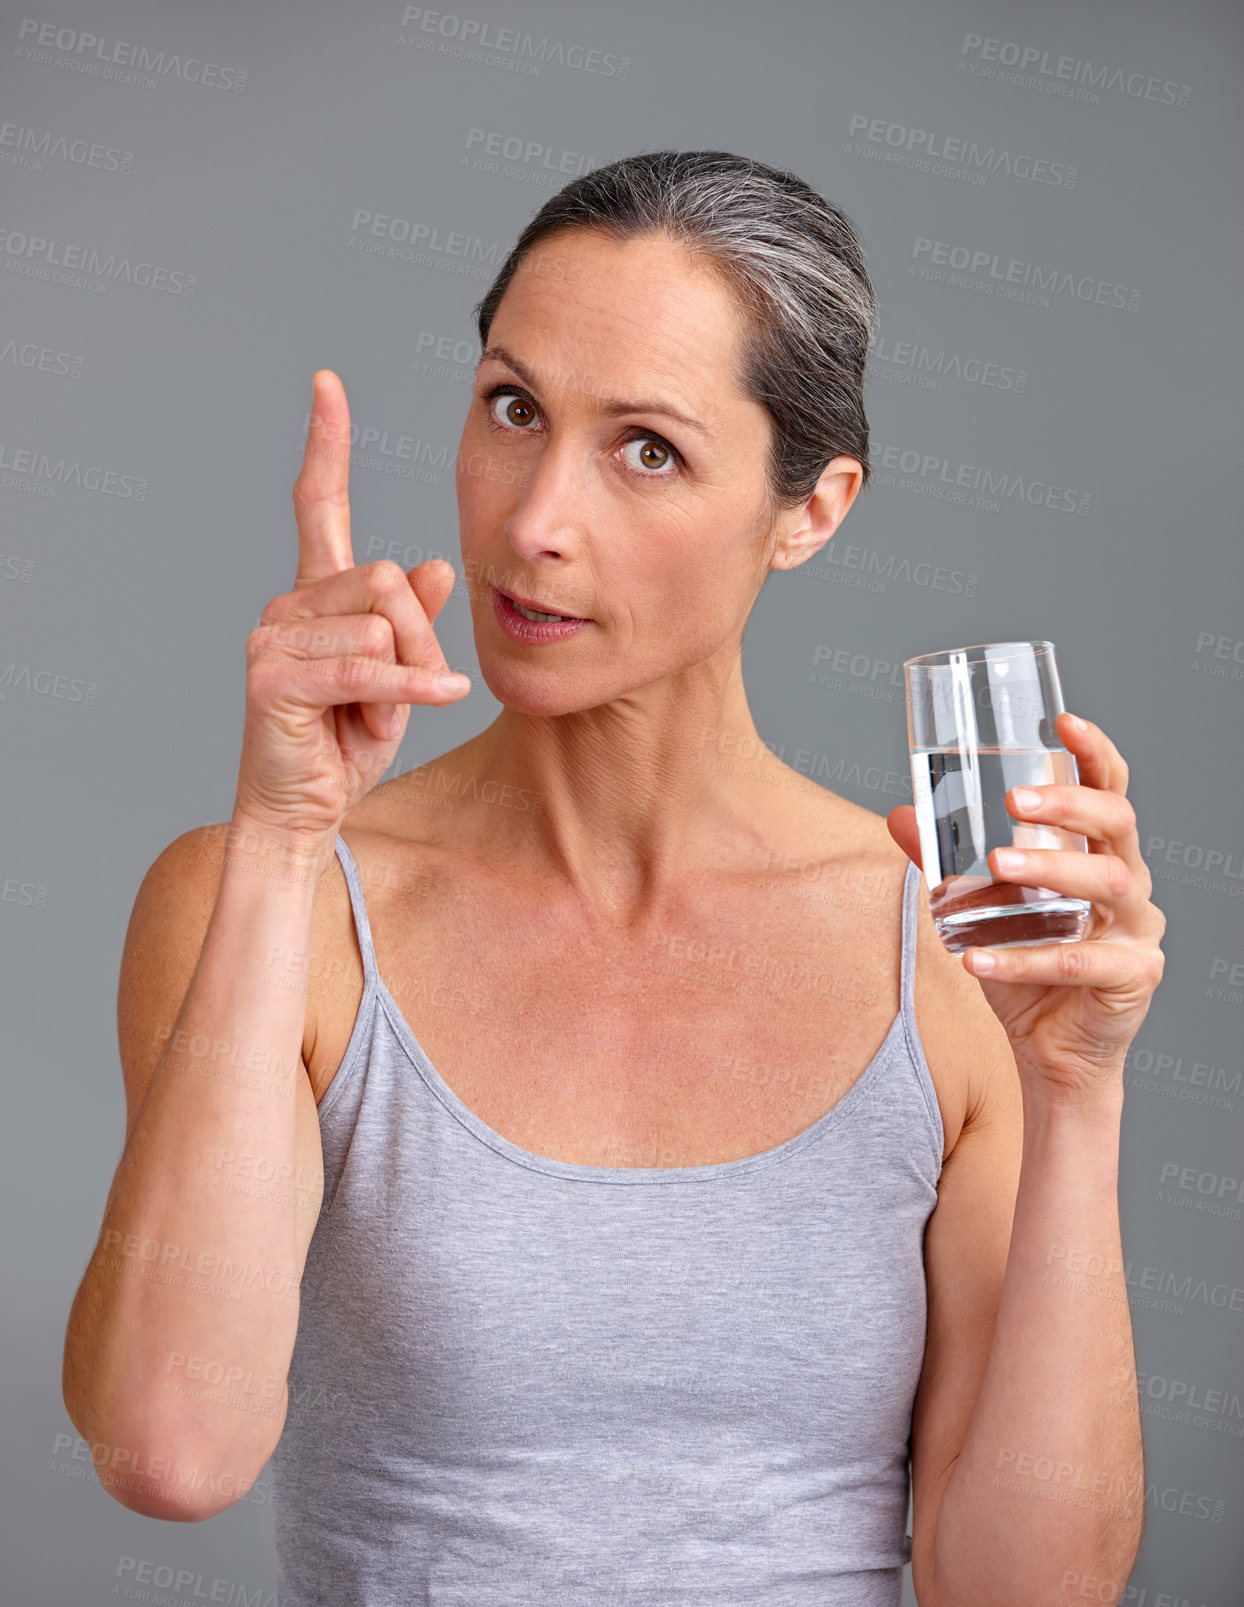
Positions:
(25, 469)
(407, 456)
(1065, 74)
(47, 361)
(483, 144)
(24, 147)
(43, 682)
(1194, 1082)
(950, 156)
(412, 240)
(1216, 870)
(32, 255)
(1219, 1409)
(469, 38)
(866, 569)
(443, 356)
(111, 55)
(910, 363)
(1011, 278)
(970, 485)
(185, 1582)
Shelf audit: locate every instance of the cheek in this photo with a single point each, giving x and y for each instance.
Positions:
(684, 591)
(484, 482)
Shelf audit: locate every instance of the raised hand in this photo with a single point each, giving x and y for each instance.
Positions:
(334, 664)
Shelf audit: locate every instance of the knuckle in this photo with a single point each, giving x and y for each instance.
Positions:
(263, 645)
(1118, 876)
(359, 673)
(386, 576)
(344, 672)
(312, 638)
(259, 679)
(377, 635)
(1126, 815)
(1073, 960)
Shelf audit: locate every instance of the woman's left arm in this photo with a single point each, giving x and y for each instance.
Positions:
(1047, 1492)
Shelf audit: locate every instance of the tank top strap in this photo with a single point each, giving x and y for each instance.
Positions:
(362, 925)
(907, 983)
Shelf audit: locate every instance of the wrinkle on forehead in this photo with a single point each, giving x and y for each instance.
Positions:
(644, 318)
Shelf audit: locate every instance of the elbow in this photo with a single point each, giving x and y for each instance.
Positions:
(167, 1507)
(149, 1501)
(157, 1465)
(172, 1487)
(156, 1477)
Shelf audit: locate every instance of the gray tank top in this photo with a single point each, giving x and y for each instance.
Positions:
(519, 1380)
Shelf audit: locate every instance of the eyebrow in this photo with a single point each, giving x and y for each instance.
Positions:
(609, 406)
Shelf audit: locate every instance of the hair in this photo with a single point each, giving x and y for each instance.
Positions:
(796, 268)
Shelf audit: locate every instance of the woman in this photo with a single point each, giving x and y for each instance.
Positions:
(623, 1280)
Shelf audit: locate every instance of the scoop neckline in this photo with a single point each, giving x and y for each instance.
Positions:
(625, 1175)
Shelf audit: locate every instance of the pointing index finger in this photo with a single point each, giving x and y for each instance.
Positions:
(321, 491)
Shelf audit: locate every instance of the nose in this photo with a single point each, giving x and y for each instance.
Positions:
(547, 520)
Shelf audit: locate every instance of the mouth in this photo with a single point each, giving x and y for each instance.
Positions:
(537, 615)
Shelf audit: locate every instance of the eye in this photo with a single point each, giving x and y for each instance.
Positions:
(667, 457)
(518, 412)
(517, 404)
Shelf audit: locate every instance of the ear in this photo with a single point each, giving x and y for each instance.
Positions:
(803, 531)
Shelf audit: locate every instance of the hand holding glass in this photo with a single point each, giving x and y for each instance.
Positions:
(980, 720)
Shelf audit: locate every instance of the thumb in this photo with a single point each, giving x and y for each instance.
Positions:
(902, 825)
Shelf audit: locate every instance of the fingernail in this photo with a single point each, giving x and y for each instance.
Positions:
(453, 683)
(983, 961)
(1077, 724)
(1026, 798)
(395, 723)
(1009, 858)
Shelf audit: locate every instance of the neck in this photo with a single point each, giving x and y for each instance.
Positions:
(635, 794)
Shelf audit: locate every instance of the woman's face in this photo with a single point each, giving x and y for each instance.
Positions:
(579, 491)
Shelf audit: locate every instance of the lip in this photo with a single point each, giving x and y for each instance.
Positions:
(529, 630)
(530, 602)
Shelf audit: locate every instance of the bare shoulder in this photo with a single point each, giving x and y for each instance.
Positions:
(392, 835)
(168, 923)
(819, 836)
(964, 1044)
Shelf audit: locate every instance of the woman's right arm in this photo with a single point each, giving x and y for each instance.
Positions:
(180, 1336)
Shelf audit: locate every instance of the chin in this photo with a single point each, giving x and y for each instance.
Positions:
(530, 689)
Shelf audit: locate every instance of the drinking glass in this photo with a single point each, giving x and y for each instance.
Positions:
(980, 720)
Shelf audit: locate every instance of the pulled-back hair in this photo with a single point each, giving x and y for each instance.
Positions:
(795, 265)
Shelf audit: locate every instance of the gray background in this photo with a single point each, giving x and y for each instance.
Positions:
(124, 616)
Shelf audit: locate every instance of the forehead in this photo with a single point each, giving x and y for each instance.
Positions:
(592, 314)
